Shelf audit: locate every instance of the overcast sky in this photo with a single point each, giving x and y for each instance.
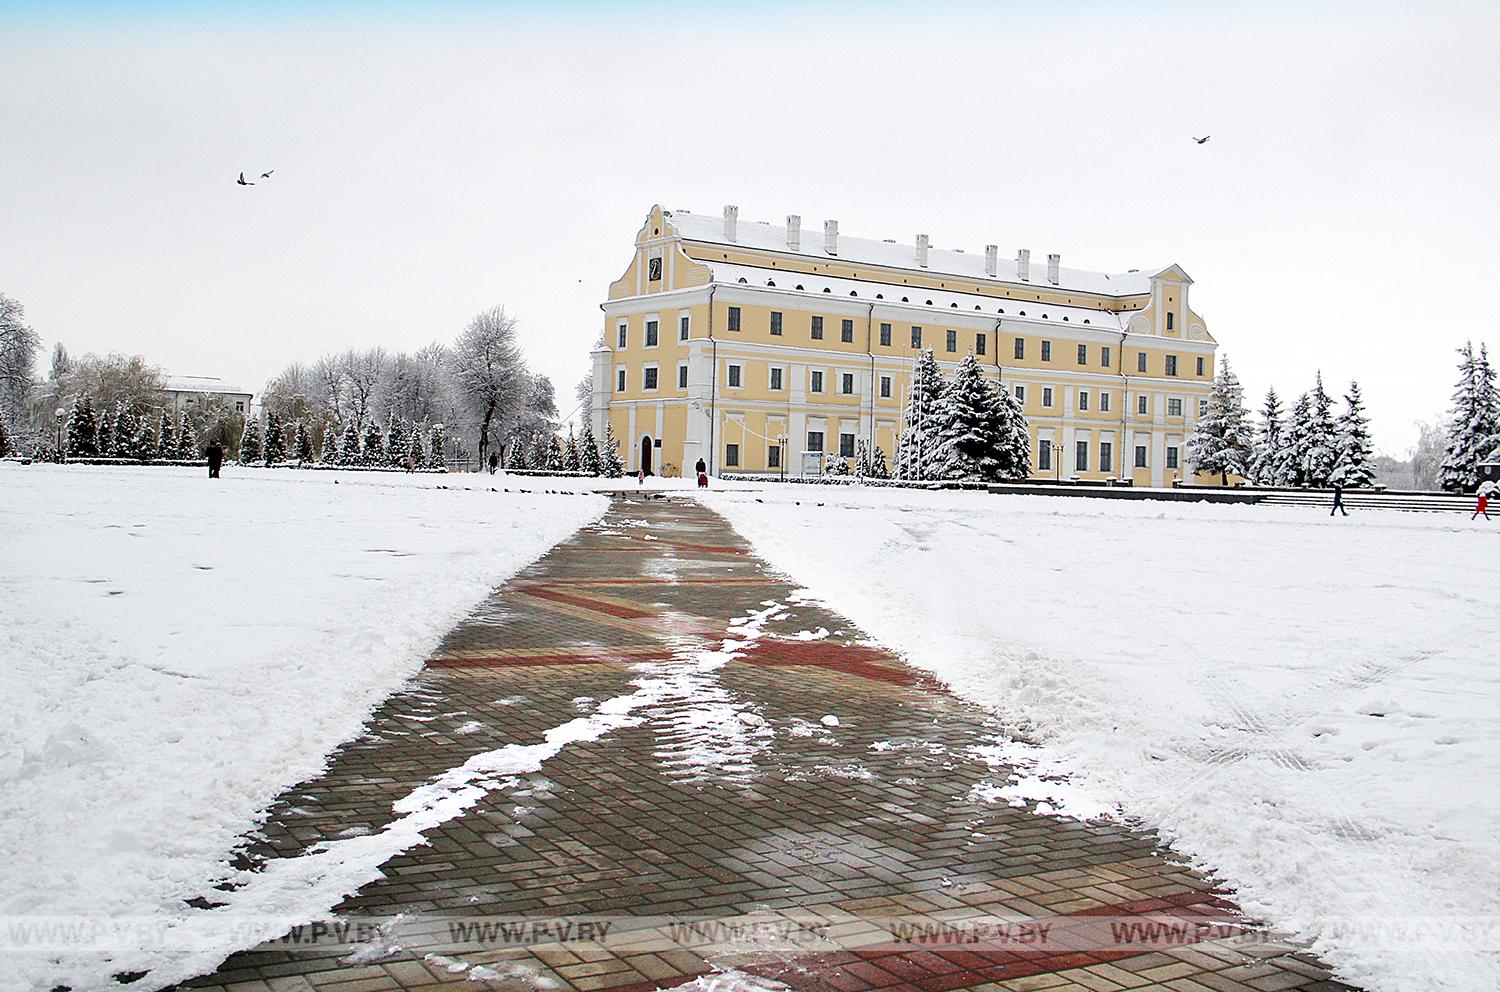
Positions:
(431, 164)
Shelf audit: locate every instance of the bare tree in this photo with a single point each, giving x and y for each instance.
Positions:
(489, 371)
(295, 393)
(328, 371)
(421, 387)
(364, 373)
(18, 348)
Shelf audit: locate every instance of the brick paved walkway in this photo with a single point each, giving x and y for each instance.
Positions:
(725, 797)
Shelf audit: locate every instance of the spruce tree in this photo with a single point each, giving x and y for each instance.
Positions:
(861, 459)
(515, 453)
(396, 440)
(166, 436)
(589, 461)
(1222, 441)
(250, 443)
(105, 444)
(187, 438)
(372, 451)
(83, 438)
(414, 449)
(1012, 437)
(570, 452)
(7, 446)
(878, 467)
(437, 442)
(125, 431)
(1474, 422)
(611, 465)
(916, 452)
(348, 450)
(1355, 464)
(1321, 453)
(1267, 467)
(144, 445)
(301, 443)
(967, 426)
(274, 448)
(539, 451)
(1298, 442)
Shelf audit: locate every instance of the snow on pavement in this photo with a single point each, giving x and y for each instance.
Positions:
(1309, 708)
(178, 651)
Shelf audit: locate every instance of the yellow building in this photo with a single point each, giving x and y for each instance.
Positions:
(762, 349)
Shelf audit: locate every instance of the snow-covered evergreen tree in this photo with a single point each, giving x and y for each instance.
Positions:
(967, 426)
(250, 442)
(437, 445)
(1355, 465)
(878, 467)
(540, 452)
(143, 447)
(1474, 422)
(125, 432)
(861, 459)
(1269, 465)
(7, 446)
(917, 450)
(83, 433)
(1222, 440)
(274, 447)
(515, 452)
(1298, 442)
(611, 465)
(1322, 450)
(570, 452)
(589, 461)
(166, 436)
(105, 443)
(1012, 437)
(416, 451)
(301, 443)
(187, 437)
(372, 451)
(349, 451)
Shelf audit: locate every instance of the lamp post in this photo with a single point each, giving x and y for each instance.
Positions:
(781, 457)
(61, 456)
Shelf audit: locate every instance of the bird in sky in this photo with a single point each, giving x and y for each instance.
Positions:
(267, 175)
(242, 181)
(1203, 139)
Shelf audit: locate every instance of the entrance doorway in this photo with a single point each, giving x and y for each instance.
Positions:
(646, 455)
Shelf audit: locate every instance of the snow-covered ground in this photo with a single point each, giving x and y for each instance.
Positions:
(175, 651)
(1308, 707)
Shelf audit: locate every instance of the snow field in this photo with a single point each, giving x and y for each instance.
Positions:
(1309, 708)
(178, 650)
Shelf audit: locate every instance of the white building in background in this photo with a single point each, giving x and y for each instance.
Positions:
(192, 392)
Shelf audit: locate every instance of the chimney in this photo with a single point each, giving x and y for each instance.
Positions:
(1023, 264)
(922, 241)
(794, 232)
(1054, 262)
(831, 237)
(731, 220)
(991, 259)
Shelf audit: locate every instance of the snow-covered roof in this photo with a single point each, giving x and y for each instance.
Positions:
(199, 384)
(943, 301)
(772, 237)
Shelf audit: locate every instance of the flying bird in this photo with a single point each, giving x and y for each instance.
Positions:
(267, 175)
(242, 181)
(1203, 139)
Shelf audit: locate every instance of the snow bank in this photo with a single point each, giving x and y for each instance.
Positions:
(177, 651)
(1308, 707)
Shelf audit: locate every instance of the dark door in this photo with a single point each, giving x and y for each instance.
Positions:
(646, 455)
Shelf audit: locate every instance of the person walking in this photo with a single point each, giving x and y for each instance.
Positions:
(494, 462)
(215, 458)
(701, 468)
(640, 477)
(1486, 490)
(1338, 500)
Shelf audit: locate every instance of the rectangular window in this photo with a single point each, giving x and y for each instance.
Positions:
(620, 384)
(885, 387)
(1171, 321)
(846, 332)
(734, 376)
(1202, 409)
(1171, 365)
(773, 456)
(1172, 457)
(682, 377)
(885, 335)
(814, 441)
(916, 336)
(817, 328)
(1104, 355)
(776, 322)
(1103, 402)
(1106, 456)
(1200, 364)
(1081, 456)
(1044, 456)
(1174, 408)
(731, 455)
(624, 335)
(1083, 399)
(1083, 354)
(952, 341)
(1046, 396)
(846, 445)
(1140, 361)
(1140, 456)
(1140, 404)
(1020, 348)
(846, 383)
(653, 334)
(683, 324)
(979, 343)
(1020, 393)
(817, 381)
(776, 380)
(734, 318)
(1046, 351)
(239, 406)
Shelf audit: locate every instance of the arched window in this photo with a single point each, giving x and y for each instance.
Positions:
(1169, 320)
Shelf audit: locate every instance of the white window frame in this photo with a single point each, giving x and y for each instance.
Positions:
(815, 376)
(847, 377)
(622, 378)
(1047, 397)
(1083, 401)
(646, 326)
(1020, 392)
(887, 387)
(622, 335)
(1104, 403)
(771, 373)
(648, 367)
(1177, 401)
(684, 325)
(730, 370)
(682, 375)
(1142, 405)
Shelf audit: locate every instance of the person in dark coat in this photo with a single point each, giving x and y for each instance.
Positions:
(701, 468)
(494, 462)
(1338, 500)
(215, 458)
